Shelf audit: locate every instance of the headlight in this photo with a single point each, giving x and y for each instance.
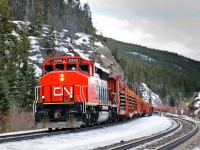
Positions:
(62, 77)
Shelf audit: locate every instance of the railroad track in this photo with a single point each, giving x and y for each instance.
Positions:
(46, 133)
(30, 135)
(156, 141)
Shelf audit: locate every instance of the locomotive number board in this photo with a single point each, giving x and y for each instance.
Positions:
(57, 60)
(73, 60)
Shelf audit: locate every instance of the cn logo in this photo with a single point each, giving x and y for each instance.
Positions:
(58, 91)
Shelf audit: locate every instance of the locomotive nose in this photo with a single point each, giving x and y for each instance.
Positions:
(57, 87)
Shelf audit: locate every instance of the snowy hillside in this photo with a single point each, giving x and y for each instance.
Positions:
(144, 57)
(86, 46)
(148, 95)
(197, 104)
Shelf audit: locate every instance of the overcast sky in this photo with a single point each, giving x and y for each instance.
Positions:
(172, 25)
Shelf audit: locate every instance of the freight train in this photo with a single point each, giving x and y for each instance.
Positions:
(75, 92)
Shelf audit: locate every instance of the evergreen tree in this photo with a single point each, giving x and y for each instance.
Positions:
(115, 54)
(8, 50)
(23, 67)
(15, 72)
(172, 101)
(49, 42)
(31, 83)
(4, 99)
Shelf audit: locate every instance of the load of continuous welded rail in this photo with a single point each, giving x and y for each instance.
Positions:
(76, 92)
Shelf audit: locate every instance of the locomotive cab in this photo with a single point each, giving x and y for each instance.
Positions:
(62, 92)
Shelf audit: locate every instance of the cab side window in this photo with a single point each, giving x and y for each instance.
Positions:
(83, 68)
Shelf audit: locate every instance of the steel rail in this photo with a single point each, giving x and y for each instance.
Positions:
(148, 139)
(180, 140)
(46, 133)
(31, 135)
(22, 134)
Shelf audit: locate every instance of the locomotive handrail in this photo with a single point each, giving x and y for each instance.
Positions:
(83, 91)
(36, 92)
(36, 99)
(84, 99)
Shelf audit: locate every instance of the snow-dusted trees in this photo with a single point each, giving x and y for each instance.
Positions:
(14, 67)
(49, 42)
(8, 53)
(58, 13)
(74, 3)
(87, 11)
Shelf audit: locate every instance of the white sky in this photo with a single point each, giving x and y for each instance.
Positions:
(171, 25)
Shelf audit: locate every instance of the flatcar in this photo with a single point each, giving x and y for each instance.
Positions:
(75, 92)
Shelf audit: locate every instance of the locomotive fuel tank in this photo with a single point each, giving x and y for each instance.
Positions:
(103, 115)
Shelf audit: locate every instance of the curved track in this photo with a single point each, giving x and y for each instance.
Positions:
(181, 139)
(139, 144)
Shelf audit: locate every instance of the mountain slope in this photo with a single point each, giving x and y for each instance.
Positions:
(164, 72)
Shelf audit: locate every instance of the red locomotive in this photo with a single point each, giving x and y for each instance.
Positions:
(76, 92)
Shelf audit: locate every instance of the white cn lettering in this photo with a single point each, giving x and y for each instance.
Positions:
(57, 91)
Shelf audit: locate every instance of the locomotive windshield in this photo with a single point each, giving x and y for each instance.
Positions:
(59, 67)
(71, 66)
(48, 68)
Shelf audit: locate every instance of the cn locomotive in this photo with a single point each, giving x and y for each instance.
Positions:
(75, 92)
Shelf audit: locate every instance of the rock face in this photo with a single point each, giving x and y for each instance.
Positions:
(109, 61)
(194, 106)
(146, 94)
(87, 46)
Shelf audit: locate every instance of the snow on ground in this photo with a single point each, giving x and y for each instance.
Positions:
(98, 44)
(197, 104)
(64, 49)
(95, 138)
(38, 70)
(81, 53)
(82, 39)
(198, 96)
(147, 94)
(33, 40)
(143, 56)
(37, 58)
